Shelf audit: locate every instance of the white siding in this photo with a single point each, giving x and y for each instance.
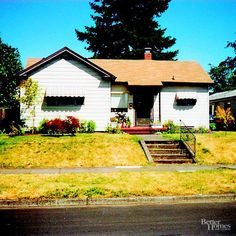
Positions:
(70, 74)
(156, 108)
(197, 115)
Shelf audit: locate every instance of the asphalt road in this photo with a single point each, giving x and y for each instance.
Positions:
(159, 219)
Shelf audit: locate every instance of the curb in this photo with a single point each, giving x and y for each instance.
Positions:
(116, 201)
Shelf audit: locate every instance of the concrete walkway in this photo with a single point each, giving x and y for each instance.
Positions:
(151, 137)
(158, 168)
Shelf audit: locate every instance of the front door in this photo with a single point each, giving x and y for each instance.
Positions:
(143, 105)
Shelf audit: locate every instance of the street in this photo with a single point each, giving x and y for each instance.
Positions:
(158, 219)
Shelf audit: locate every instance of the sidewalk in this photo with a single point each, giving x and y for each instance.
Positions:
(159, 168)
(77, 202)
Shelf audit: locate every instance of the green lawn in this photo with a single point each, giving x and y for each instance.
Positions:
(214, 148)
(119, 184)
(82, 150)
(101, 149)
(86, 150)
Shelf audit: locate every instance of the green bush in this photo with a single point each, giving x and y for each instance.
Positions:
(202, 130)
(83, 126)
(91, 126)
(212, 126)
(87, 126)
(113, 130)
(42, 128)
(171, 127)
(16, 130)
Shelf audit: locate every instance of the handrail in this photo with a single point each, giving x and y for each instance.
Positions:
(188, 137)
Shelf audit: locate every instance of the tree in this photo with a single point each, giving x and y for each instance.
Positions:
(225, 115)
(224, 75)
(124, 28)
(28, 98)
(10, 65)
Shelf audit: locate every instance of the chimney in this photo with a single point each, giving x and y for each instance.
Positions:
(147, 54)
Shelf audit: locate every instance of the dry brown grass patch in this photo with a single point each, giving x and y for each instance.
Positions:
(119, 184)
(84, 150)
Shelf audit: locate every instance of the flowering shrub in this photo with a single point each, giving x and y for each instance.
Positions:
(71, 124)
(60, 126)
(55, 126)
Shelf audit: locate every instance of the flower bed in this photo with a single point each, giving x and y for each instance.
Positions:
(69, 125)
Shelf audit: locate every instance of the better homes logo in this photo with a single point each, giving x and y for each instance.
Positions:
(215, 225)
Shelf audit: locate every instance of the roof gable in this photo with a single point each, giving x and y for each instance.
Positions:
(36, 63)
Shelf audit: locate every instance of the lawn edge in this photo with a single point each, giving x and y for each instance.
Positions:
(116, 201)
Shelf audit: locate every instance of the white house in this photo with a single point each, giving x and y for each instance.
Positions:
(94, 89)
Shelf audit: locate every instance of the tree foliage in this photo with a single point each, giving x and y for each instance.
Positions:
(10, 65)
(225, 115)
(30, 91)
(224, 75)
(124, 28)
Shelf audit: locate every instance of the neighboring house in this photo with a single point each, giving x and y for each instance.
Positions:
(224, 99)
(94, 89)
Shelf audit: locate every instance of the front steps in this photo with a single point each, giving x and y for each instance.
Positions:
(142, 130)
(167, 152)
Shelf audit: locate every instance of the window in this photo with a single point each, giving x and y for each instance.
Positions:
(186, 98)
(119, 102)
(64, 101)
(186, 102)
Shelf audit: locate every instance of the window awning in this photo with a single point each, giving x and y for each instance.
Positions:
(64, 92)
(186, 95)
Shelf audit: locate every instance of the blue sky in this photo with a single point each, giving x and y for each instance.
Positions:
(40, 27)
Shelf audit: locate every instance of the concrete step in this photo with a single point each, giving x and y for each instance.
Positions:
(142, 130)
(164, 146)
(169, 156)
(174, 161)
(167, 151)
(164, 141)
(139, 132)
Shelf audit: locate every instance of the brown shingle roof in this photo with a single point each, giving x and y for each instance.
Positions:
(153, 72)
(31, 61)
(149, 72)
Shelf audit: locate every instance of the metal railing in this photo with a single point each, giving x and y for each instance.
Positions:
(188, 137)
